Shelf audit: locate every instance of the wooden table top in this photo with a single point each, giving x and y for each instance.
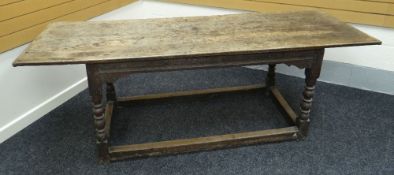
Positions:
(166, 38)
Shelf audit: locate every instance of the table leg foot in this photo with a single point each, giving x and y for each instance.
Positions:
(305, 108)
(101, 136)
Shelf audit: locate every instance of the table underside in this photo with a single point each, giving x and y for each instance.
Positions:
(106, 74)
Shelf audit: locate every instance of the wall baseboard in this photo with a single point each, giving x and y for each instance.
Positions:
(345, 74)
(40, 110)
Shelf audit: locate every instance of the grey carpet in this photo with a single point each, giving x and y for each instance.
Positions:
(351, 130)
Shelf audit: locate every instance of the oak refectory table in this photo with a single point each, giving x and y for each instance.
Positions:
(114, 49)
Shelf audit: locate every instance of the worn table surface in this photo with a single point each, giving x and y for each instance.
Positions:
(166, 38)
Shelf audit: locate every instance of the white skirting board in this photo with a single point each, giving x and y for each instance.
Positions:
(40, 110)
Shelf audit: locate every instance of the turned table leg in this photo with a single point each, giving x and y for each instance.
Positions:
(95, 89)
(311, 75)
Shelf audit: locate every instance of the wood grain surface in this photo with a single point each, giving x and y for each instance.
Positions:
(166, 38)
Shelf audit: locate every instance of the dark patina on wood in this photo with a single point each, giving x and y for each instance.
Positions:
(113, 49)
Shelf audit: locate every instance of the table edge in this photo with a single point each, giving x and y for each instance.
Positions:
(17, 63)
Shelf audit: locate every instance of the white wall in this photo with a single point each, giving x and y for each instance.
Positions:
(378, 57)
(28, 93)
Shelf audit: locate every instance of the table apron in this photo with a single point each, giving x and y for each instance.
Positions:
(111, 71)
